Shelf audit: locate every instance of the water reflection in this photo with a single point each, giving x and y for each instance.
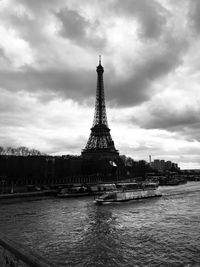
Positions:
(100, 239)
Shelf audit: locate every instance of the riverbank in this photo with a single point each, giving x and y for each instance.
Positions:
(29, 194)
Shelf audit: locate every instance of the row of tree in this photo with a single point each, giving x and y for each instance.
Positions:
(19, 151)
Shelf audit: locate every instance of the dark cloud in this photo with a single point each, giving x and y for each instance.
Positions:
(4, 60)
(40, 6)
(80, 30)
(138, 87)
(79, 84)
(30, 24)
(75, 84)
(194, 17)
(185, 123)
(74, 25)
(171, 119)
(30, 29)
(190, 131)
(150, 14)
(127, 92)
(2, 54)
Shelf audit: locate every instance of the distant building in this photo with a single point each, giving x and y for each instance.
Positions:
(158, 165)
(162, 165)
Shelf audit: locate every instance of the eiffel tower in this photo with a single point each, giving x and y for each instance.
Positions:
(100, 144)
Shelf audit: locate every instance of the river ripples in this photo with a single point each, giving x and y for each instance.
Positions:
(75, 232)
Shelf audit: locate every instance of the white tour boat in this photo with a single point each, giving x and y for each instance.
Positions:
(129, 191)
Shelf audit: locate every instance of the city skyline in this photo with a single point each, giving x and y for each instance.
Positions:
(48, 57)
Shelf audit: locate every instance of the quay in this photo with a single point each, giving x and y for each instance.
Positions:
(13, 254)
(29, 194)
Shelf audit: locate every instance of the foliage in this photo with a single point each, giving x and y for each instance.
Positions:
(20, 151)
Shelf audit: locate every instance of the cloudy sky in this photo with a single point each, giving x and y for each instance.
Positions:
(150, 52)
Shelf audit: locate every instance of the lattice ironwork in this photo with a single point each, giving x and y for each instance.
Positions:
(100, 106)
(100, 140)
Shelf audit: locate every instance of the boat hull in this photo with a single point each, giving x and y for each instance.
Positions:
(84, 194)
(128, 196)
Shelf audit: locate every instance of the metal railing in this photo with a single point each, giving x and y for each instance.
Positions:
(13, 254)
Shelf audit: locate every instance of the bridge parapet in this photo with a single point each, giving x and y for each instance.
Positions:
(13, 254)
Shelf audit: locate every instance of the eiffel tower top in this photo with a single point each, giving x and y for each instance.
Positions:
(100, 68)
(100, 142)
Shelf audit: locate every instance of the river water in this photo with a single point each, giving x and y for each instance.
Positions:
(75, 232)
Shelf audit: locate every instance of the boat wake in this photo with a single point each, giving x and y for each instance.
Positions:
(180, 190)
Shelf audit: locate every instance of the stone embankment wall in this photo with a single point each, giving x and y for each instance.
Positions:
(15, 255)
